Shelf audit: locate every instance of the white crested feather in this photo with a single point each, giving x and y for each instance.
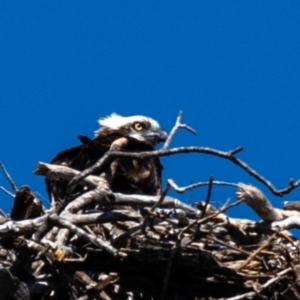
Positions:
(115, 121)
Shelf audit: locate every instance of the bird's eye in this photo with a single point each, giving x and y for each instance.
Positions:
(138, 126)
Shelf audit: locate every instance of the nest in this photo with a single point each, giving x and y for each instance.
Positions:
(105, 245)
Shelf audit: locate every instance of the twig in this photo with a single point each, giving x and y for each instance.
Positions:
(158, 203)
(3, 213)
(7, 192)
(235, 151)
(163, 217)
(210, 183)
(100, 195)
(161, 198)
(88, 237)
(251, 295)
(8, 177)
(257, 251)
(102, 217)
(229, 246)
(204, 220)
(178, 125)
(99, 166)
(168, 270)
(181, 190)
(207, 199)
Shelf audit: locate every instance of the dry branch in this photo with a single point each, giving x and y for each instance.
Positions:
(258, 202)
(7, 192)
(8, 177)
(178, 125)
(252, 295)
(229, 155)
(79, 232)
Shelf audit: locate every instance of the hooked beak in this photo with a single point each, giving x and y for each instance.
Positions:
(156, 136)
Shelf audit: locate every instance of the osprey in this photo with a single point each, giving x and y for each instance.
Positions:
(126, 175)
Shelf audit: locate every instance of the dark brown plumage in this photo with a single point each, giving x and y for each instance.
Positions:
(25, 205)
(125, 175)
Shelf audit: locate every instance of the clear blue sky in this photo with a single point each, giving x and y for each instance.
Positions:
(232, 66)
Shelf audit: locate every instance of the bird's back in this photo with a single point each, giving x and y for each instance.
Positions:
(79, 158)
(129, 176)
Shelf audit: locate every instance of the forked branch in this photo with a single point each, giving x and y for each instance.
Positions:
(229, 155)
(178, 125)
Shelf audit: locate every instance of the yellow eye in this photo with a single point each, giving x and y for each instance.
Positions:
(138, 126)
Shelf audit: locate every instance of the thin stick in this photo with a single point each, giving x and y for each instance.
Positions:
(257, 251)
(90, 238)
(8, 177)
(162, 197)
(178, 125)
(207, 199)
(3, 213)
(168, 270)
(7, 192)
(251, 295)
(152, 209)
(181, 190)
(202, 221)
(229, 246)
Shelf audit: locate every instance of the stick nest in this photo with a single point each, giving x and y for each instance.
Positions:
(105, 245)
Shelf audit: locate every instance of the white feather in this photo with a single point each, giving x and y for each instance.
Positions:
(115, 121)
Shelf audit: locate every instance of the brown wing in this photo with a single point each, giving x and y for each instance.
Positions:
(79, 158)
(128, 176)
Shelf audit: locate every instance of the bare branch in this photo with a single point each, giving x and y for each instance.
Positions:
(286, 224)
(21, 227)
(207, 199)
(211, 179)
(235, 151)
(8, 177)
(3, 213)
(90, 238)
(184, 150)
(103, 217)
(181, 190)
(252, 295)
(264, 245)
(7, 192)
(212, 216)
(177, 126)
(63, 172)
(258, 202)
(157, 204)
(100, 195)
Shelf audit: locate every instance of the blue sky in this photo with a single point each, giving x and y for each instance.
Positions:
(232, 66)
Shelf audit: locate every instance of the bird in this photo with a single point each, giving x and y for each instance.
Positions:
(126, 175)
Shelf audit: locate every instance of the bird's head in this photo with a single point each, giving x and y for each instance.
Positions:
(140, 128)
